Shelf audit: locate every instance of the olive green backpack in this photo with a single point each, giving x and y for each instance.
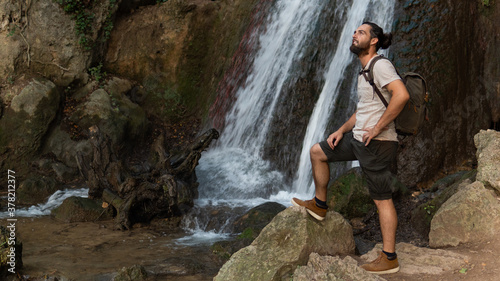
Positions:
(414, 113)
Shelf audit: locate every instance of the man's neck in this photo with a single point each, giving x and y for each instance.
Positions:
(364, 59)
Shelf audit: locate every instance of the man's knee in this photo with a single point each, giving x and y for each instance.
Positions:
(317, 153)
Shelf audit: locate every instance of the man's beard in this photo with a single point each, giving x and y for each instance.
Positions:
(359, 50)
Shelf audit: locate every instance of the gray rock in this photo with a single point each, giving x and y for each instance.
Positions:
(469, 215)
(488, 157)
(415, 260)
(286, 242)
(328, 268)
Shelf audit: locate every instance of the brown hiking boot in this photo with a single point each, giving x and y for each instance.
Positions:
(382, 265)
(315, 211)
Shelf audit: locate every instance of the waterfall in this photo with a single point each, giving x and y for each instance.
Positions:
(233, 172)
(235, 169)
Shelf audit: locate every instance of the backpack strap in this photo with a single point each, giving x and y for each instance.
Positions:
(368, 74)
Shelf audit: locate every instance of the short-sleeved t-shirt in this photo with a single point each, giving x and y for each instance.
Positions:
(370, 108)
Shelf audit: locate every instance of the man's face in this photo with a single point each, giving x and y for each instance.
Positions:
(361, 40)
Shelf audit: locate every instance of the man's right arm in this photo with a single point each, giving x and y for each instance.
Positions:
(334, 138)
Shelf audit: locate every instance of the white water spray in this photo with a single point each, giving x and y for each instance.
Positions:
(53, 202)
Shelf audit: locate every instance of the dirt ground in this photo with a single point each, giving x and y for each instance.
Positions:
(95, 251)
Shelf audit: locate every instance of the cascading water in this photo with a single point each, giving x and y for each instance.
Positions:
(234, 173)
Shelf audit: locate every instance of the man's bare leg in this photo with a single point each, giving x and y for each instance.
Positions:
(320, 171)
(388, 223)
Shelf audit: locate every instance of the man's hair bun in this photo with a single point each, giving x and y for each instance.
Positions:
(384, 39)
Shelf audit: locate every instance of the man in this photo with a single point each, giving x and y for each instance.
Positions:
(370, 137)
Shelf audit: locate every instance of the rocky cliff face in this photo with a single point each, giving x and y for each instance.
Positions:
(173, 55)
(455, 46)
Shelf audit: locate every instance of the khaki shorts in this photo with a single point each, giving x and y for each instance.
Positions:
(376, 160)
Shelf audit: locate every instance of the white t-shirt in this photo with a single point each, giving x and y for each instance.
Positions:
(370, 107)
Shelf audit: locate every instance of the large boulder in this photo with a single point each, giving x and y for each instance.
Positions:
(286, 243)
(469, 215)
(26, 120)
(111, 109)
(488, 157)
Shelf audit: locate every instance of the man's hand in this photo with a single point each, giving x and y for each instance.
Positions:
(371, 133)
(334, 139)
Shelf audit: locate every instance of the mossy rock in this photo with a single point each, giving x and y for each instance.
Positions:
(258, 217)
(78, 209)
(349, 196)
(249, 226)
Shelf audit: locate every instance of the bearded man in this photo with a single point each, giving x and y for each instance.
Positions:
(370, 137)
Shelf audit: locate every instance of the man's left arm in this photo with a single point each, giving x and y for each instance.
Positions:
(398, 100)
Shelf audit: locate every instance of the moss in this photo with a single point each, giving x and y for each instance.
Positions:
(248, 233)
(349, 196)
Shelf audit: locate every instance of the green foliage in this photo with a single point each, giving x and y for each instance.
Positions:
(12, 31)
(84, 18)
(96, 73)
(108, 26)
(430, 209)
(486, 2)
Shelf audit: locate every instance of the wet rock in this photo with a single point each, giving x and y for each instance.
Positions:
(258, 217)
(78, 209)
(415, 260)
(11, 252)
(286, 243)
(133, 273)
(36, 189)
(488, 157)
(328, 268)
(249, 227)
(469, 215)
